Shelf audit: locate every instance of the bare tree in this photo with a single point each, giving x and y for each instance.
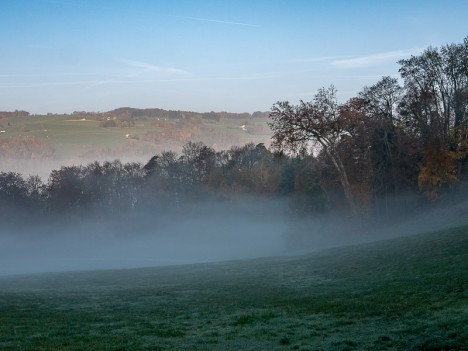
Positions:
(436, 91)
(435, 107)
(318, 123)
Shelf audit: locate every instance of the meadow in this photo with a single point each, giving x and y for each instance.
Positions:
(408, 293)
(74, 137)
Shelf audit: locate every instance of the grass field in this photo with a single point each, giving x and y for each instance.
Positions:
(403, 294)
(73, 138)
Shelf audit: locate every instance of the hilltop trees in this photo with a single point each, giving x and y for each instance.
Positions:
(389, 138)
(435, 99)
(379, 104)
(108, 187)
(199, 161)
(435, 108)
(20, 197)
(310, 124)
(167, 183)
(13, 188)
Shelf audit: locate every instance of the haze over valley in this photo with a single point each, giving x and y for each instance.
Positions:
(233, 175)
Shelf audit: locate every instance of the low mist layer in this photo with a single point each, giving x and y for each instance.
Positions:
(206, 233)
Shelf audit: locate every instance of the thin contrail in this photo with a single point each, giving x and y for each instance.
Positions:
(147, 67)
(214, 20)
(59, 2)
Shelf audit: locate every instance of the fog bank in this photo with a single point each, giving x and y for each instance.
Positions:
(211, 231)
(206, 233)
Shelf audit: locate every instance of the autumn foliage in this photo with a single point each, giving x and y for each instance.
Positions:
(360, 157)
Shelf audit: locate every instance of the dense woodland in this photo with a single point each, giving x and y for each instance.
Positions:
(388, 151)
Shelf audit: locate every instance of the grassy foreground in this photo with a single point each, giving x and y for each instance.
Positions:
(404, 294)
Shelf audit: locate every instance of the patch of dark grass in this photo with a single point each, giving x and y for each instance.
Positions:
(284, 341)
(251, 318)
(244, 319)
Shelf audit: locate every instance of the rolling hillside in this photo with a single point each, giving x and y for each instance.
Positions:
(124, 132)
(403, 294)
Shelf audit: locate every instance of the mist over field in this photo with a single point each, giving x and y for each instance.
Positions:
(201, 232)
(207, 232)
(233, 175)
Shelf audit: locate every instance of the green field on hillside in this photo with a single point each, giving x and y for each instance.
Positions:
(403, 294)
(76, 137)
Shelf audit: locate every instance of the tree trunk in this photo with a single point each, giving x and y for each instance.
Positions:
(343, 180)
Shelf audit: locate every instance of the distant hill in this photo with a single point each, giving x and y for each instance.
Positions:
(126, 113)
(125, 132)
(147, 113)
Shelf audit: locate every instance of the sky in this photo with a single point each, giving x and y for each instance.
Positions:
(61, 56)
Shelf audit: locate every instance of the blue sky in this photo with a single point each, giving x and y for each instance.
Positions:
(202, 55)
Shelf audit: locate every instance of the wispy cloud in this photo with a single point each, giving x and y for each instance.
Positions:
(92, 83)
(372, 60)
(162, 73)
(317, 59)
(214, 21)
(201, 19)
(147, 67)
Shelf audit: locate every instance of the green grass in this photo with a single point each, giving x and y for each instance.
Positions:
(403, 294)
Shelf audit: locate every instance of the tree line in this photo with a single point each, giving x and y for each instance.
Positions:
(391, 148)
(389, 138)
